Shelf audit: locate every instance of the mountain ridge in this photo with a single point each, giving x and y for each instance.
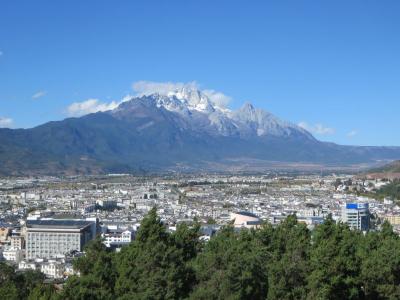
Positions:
(178, 131)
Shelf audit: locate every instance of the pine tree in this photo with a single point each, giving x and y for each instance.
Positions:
(154, 266)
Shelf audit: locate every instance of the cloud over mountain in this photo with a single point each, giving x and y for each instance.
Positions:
(352, 133)
(183, 130)
(6, 122)
(317, 128)
(168, 88)
(89, 106)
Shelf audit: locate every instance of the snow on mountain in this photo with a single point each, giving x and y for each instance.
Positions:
(198, 112)
(264, 123)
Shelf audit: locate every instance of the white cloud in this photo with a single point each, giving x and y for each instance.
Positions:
(317, 128)
(6, 122)
(126, 98)
(39, 94)
(89, 106)
(141, 88)
(218, 98)
(352, 133)
(164, 88)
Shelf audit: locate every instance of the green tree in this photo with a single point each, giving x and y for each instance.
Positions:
(232, 266)
(8, 288)
(27, 281)
(380, 270)
(85, 287)
(9, 291)
(43, 292)
(335, 265)
(97, 274)
(154, 266)
(288, 267)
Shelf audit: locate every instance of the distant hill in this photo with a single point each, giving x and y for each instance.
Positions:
(393, 167)
(181, 131)
(389, 171)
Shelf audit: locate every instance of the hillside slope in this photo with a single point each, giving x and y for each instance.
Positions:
(155, 133)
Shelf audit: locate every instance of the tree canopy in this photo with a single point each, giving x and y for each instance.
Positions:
(287, 261)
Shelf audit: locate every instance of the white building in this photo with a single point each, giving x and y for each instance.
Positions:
(54, 238)
(27, 265)
(53, 269)
(14, 255)
(117, 238)
(245, 219)
(17, 242)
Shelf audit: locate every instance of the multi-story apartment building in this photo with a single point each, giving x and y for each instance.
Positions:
(53, 269)
(356, 215)
(17, 242)
(53, 238)
(117, 238)
(14, 255)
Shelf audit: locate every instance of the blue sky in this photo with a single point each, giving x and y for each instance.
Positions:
(333, 66)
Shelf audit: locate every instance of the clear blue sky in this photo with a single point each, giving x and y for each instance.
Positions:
(333, 63)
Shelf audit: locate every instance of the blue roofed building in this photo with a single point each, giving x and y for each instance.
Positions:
(356, 216)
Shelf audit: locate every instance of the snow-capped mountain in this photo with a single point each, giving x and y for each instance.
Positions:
(199, 113)
(183, 129)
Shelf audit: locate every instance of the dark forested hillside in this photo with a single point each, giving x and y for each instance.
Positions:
(283, 262)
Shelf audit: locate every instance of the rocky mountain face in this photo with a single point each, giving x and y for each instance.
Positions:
(182, 130)
(193, 110)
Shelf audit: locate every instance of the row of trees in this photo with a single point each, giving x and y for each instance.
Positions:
(283, 262)
(391, 190)
(26, 285)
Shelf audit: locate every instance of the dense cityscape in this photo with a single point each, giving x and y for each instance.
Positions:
(199, 150)
(36, 213)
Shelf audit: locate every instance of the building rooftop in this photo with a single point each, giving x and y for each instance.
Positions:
(247, 214)
(61, 224)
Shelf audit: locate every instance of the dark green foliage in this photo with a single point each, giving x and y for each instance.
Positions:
(18, 285)
(380, 270)
(334, 264)
(85, 287)
(27, 281)
(155, 265)
(283, 262)
(97, 274)
(43, 292)
(9, 291)
(232, 266)
(391, 190)
(289, 262)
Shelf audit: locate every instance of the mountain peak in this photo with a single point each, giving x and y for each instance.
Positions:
(247, 106)
(168, 128)
(193, 98)
(193, 108)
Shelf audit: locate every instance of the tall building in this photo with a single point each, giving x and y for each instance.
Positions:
(52, 238)
(17, 242)
(356, 215)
